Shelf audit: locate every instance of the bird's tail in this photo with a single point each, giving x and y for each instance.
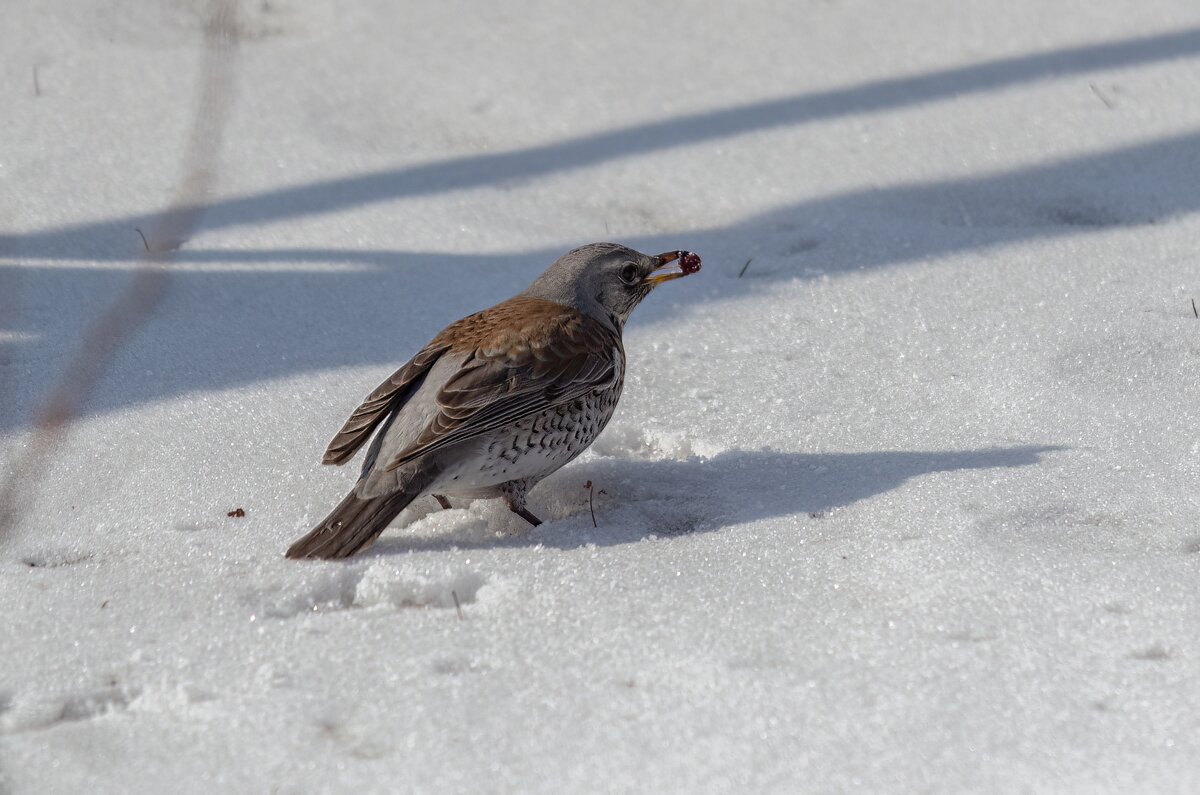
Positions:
(352, 526)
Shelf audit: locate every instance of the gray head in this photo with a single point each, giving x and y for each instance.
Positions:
(609, 280)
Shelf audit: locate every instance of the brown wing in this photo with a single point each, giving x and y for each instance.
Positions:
(528, 356)
(387, 397)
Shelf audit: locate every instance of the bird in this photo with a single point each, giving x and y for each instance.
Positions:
(498, 400)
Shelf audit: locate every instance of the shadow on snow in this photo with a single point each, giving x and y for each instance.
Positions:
(108, 239)
(222, 328)
(673, 498)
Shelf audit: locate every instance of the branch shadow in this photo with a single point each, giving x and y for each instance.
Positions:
(669, 498)
(220, 328)
(110, 239)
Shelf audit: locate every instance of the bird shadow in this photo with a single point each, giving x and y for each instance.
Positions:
(645, 499)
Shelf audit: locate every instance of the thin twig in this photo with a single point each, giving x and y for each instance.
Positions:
(143, 236)
(591, 507)
(37, 87)
(1194, 312)
(1096, 90)
(457, 606)
(742, 272)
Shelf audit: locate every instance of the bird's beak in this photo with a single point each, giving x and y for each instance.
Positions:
(673, 265)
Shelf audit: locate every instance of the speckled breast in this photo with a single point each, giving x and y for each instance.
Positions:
(535, 446)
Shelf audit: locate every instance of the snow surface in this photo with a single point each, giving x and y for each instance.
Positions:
(911, 506)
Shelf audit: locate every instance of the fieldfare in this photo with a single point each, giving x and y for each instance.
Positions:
(498, 400)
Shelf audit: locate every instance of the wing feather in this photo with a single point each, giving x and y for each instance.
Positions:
(389, 396)
(564, 357)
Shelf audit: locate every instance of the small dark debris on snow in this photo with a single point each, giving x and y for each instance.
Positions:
(742, 272)
(1155, 653)
(237, 513)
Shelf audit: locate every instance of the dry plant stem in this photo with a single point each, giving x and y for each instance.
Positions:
(457, 606)
(10, 306)
(591, 507)
(113, 329)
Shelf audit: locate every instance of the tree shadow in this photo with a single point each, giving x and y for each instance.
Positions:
(674, 498)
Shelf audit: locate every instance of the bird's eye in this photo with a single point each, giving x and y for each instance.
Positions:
(630, 273)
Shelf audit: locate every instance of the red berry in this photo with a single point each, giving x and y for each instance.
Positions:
(689, 262)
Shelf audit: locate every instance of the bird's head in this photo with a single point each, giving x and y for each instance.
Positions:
(610, 278)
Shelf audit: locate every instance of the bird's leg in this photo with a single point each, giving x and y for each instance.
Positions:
(442, 501)
(525, 514)
(514, 497)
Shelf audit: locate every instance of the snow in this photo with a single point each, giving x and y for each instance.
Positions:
(912, 505)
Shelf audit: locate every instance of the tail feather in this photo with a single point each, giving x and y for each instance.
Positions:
(352, 526)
